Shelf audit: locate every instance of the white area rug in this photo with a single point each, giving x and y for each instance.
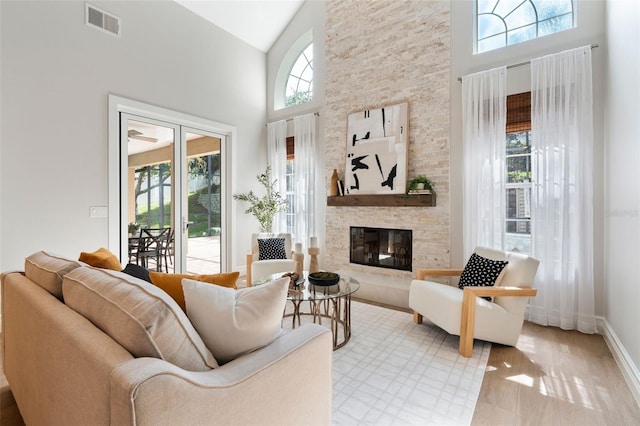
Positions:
(395, 372)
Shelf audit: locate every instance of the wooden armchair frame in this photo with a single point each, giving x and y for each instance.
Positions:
(467, 322)
(249, 275)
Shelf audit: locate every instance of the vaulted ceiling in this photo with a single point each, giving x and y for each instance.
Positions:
(256, 22)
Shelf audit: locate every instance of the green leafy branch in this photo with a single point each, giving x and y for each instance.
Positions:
(265, 208)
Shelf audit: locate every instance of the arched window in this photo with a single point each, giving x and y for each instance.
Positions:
(504, 22)
(299, 87)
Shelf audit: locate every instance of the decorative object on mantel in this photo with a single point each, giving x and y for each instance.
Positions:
(333, 186)
(314, 251)
(377, 144)
(421, 185)
(265, 208)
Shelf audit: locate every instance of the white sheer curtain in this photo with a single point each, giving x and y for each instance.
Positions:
(304, 131)
(277, 159)
(562, 205)
(484, 117)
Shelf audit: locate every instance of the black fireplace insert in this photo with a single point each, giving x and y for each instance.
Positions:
(381, 247)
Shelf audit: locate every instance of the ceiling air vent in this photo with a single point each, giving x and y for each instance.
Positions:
(102, 20)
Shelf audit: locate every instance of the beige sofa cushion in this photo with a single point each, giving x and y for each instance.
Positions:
(141, 317)
(235, 322)
(47, 270)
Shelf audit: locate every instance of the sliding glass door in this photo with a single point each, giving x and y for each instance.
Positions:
(171, 186)
(148, 191)
(203, 207)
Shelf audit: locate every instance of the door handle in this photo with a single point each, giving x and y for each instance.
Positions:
(185, 225)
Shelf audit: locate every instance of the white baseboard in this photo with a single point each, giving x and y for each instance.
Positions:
(627, 367)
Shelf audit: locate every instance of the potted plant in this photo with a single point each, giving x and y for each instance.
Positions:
(133, 229)
(420, 183)
(266, 207)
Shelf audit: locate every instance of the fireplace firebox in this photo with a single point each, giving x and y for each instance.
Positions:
(381, 247)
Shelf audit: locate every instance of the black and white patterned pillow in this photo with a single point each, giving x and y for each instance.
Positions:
(480, 271)
(271, 248)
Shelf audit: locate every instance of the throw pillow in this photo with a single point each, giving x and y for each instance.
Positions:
(233, 323)
(137, 271)
(138, 315)
(271, 248)
(101, 258)
(480, 271)
(172, 283)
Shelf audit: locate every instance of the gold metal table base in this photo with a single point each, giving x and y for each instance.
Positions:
(337, 310)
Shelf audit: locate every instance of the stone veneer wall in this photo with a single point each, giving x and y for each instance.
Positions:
(380, 53)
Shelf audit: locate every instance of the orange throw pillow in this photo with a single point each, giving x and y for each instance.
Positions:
(172, 283)
(101, 258)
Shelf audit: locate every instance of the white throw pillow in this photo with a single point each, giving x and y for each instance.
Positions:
(234, 322)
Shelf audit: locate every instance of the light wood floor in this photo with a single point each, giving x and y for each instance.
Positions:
(553, 377)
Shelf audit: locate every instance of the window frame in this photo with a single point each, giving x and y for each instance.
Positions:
(290, 194)
(518, 121)
(289, 58)
(537, 24)
(299, 78)
(526, 186)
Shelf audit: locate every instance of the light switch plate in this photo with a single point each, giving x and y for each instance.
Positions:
(97, 211)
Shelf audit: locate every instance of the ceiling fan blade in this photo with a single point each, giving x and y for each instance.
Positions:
(144, 138)
(134, 134)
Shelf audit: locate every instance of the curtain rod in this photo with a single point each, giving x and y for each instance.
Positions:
(519, 64)
(317, 114)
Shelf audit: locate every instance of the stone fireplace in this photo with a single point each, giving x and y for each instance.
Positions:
(362, 73)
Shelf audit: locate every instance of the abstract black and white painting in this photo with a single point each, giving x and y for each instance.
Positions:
(377, 142)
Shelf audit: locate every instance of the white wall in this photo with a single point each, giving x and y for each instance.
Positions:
(622, 139)
(590, 30)
(56, 76)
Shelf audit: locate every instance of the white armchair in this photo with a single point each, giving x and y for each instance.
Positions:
(257, 269)
(466, 313)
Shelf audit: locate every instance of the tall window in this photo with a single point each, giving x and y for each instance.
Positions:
(518, 173)
(291, 187)
(500, 23)
(299, 87)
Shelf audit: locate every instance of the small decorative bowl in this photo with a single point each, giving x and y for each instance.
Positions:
(324, 278)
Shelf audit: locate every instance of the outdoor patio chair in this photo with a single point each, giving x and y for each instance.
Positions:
(152, 247)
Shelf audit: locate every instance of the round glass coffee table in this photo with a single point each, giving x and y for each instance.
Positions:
(329, 303)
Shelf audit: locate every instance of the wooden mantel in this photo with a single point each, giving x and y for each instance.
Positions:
(386, 200)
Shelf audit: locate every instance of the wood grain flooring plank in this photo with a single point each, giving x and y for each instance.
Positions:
(559, 377)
